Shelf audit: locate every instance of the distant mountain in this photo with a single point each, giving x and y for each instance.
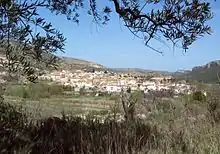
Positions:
(70, 60)
(207, 73)
(140, 70)
(181, 73)
(74, 63)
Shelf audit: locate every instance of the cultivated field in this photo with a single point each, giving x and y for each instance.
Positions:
(55, 106)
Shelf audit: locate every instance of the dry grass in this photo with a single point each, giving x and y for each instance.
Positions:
(74, 135)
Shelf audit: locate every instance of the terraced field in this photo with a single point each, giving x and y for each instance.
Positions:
(56, 105)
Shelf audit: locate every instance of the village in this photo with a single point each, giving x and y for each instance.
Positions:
(112, 82)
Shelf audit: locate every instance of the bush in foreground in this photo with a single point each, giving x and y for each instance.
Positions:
(73, 135)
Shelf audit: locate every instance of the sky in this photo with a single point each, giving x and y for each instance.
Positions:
(114, 46)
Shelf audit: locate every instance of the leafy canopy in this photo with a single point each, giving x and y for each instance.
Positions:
(30, 42)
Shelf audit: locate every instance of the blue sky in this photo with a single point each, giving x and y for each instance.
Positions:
(114, 46)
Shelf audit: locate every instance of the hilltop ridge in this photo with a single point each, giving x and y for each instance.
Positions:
(76, 61)
(207, 73)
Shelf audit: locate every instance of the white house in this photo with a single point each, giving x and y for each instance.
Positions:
(113, 89)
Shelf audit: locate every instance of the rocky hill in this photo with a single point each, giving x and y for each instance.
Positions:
(74, 63)
(70, 60)
(69, 63)
(207, 73)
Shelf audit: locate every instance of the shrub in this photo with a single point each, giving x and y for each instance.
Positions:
(198, 96)
(214, 110)
(11, 116)
(129, 90)
(68, 88)
(73, 135)
(34, 91)
(38, 90)
(16, 90)
(114, 97)
(82, 91)
(55, 89)
(12, 128)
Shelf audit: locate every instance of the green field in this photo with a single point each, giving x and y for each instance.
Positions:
(54, 106)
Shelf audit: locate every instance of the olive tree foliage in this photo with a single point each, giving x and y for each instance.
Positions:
(30, 42)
